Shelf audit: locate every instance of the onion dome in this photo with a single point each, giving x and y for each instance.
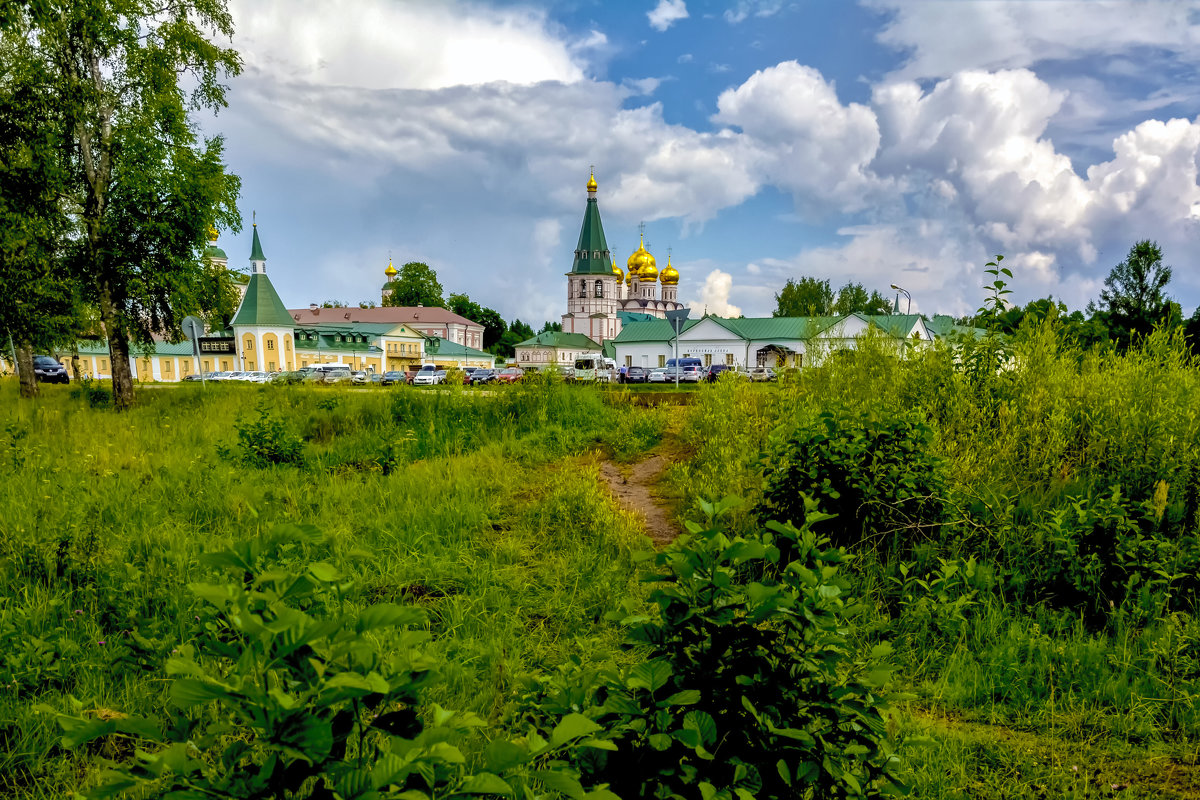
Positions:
(391, 271)
(591, 184)
(670, 275)
(648, 273)
(617, 273)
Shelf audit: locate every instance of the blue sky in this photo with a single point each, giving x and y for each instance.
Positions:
(883, 141)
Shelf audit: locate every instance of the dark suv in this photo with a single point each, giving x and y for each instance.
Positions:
(714, 371)
(47, 370)
(636, 375)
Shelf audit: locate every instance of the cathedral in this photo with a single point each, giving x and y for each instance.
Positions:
(600, 295)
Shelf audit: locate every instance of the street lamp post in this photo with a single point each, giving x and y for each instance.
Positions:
(907, 296)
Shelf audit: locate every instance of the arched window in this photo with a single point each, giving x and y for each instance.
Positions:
(583, 255)
(599, 289)
(595, 254)
(583, 288)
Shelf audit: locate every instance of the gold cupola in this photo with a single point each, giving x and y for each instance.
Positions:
(617, 273)
(647, 266)
(591, 184)
(638, 261)
(391, 271)
(670, 275)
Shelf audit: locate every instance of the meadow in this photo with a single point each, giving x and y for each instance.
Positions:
(289, 592)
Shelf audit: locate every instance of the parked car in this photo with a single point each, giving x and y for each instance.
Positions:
(288, 378)
(358, 377)
(636, 375)
(483, 376)
(657, 375)
(510, 375)
(429, 375)
(714, 371)
(48, 370)
(375, 378)
(467, 373)
(195, 376)
(218, 376)
(761, 374)
(256, 377)
(392, 376)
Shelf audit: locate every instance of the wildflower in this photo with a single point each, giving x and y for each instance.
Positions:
(79, 611)
(100, 642)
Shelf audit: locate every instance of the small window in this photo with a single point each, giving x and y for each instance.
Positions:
(270, 344)
(599, 288)
(629, 361)
(249, 344)
(270, 365)
(583, 288)
(595, 254)
(708, 359)
(662, 361)
(729, 359)
(583, 255)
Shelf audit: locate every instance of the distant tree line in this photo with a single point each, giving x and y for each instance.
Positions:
(1131, 305)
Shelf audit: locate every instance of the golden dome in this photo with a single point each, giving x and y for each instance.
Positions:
(670, 275)
(617, 271)
(212, 233)
(591, 187)
(648, 273)
(391, 271)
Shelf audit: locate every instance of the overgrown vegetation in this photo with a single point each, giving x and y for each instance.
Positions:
(1012, 547)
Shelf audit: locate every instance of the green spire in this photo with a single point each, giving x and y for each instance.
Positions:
(896, 308)
(592, 241)
(261, 305)
(256, 253)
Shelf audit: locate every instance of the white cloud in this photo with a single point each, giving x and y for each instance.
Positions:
(747, 8)
(413, 45)
(666, 14)
(806, 140)
(943, 37)
(686, 58)
(643, 86)
(714, 296)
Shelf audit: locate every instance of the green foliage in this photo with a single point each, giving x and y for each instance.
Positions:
(290, 694)
(267, 441)
(416, 285)
(853, 298)
(1132, 301)
(874, 473)
(749, 687)
(92, 392)
(806, 297)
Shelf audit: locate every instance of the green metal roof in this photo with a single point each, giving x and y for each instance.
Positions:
(608, 349)
(591, 240)
(212, 251)
(256, 253)
(445, 348)
(654, 330)
(91, 347)
(628, 317)
(898, 325)
(261, 304)
(560, 339)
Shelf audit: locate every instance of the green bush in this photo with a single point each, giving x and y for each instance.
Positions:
(749, 687)
(875, 474)
(267, 441)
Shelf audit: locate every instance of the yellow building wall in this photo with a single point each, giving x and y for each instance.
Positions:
(249, 355)
(271, 357)
(289, 353)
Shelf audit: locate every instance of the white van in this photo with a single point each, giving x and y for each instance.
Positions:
(595, 367)
(330, 373)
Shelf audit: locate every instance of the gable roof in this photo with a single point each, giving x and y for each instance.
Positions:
(445, 348)
(653, 330)
(261, 305)
(560, 339)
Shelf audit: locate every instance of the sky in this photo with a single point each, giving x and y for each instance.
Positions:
(881, 141)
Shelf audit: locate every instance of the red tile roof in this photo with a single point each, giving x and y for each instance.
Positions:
(410, 315)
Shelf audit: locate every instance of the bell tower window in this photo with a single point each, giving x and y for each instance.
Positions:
(583, 288)
(599, 289)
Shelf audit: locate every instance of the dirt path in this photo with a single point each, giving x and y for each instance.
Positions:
(634, 488)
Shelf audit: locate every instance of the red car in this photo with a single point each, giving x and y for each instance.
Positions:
(510, 375)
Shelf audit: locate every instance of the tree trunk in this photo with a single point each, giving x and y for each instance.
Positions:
(118, 352)
(29, 386)
(75, 368)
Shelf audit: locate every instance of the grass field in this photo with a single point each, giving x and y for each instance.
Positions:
(1041, 613)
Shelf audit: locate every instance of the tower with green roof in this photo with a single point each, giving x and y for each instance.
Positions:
(262, 326)
(594, 282)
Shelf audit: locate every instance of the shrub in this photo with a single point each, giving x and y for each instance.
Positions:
(92, 393)
(750, 687)
(267, 441)
(875, 476)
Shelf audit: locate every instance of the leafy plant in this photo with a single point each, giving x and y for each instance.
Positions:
(750, 687)
(291, 695)
(873, 474)
(267, 441)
